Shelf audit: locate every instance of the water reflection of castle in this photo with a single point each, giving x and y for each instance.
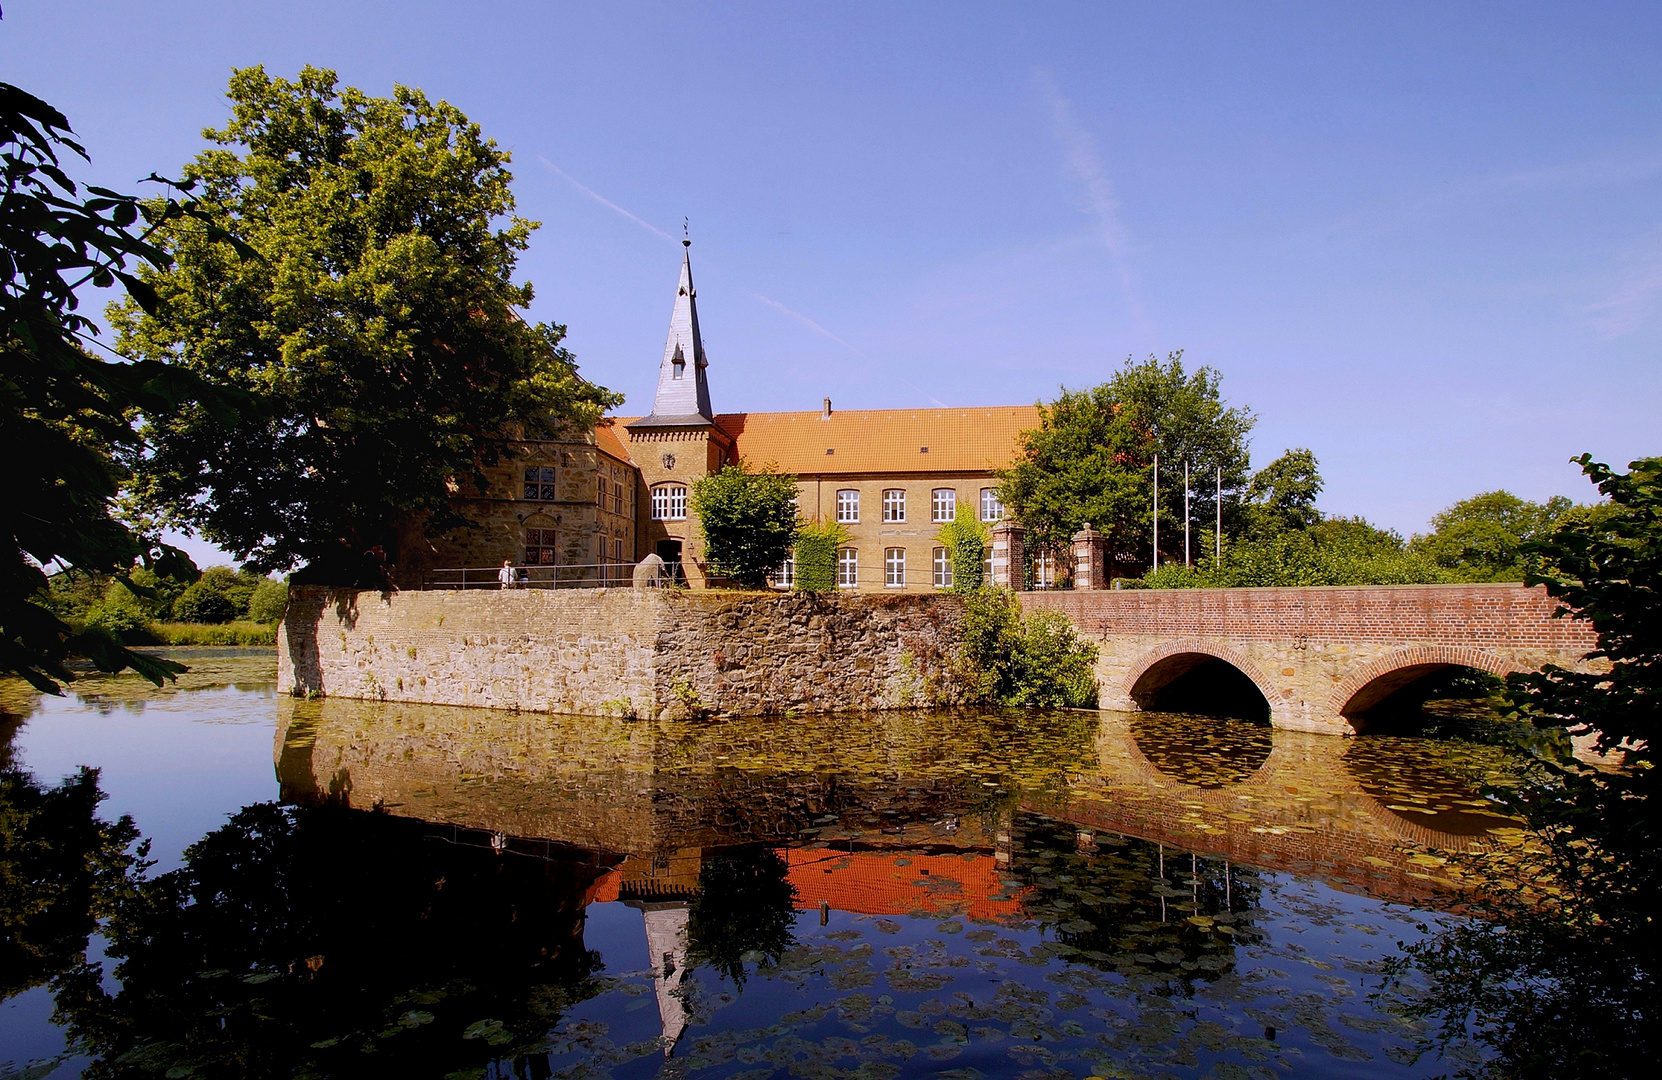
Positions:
(886, 815)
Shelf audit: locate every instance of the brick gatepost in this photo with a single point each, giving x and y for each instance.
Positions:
(1009, 555)
(1090, 559)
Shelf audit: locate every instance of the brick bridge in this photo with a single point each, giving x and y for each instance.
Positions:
(1322, 658)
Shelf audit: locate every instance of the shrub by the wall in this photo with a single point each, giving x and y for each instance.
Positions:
(268, 601)
(203, 603)
(1039, 660)
(816, 555)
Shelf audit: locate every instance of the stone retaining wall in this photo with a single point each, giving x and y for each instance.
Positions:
(645, 652)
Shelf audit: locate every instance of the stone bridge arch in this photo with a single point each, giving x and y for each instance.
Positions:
(1159, 667)
(1369, 684)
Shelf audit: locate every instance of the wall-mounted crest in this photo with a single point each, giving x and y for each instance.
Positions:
(669, 462)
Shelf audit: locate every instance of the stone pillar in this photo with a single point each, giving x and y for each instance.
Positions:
(1090, 559)
(1009, 555)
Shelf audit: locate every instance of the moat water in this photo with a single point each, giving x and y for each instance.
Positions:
(343, 888)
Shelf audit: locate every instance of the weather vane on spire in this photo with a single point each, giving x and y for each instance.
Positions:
(686, 234)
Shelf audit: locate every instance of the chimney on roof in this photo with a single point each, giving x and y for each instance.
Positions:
(826, 415)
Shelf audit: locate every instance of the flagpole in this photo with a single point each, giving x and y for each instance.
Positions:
(1156, 564)
(1186, 513)
(1218, 534)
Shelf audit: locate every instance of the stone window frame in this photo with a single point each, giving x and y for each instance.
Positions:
(669, 502)
(941, 565)
(600, 492)
(894, 568)
(541, 484)
(848, 506)
(943, 505)
(991, 508)
(894, 506)
(848, 568)
(541, 547)
(617, 550)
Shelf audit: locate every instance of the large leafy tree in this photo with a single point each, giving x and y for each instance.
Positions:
(63, 408)
(1483, 537)
(1092, 457)
(748, 519)
(379, 321)
(1282, 495)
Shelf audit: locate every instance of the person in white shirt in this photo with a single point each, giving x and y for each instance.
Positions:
(506, 575)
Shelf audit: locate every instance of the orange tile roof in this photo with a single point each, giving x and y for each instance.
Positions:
(883, 441)
(606, 437)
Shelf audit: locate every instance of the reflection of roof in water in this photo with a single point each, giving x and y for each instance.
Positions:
(900, 883)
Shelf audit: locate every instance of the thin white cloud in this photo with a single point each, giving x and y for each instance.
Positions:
(603, 200)
(1631, 303)
(1086, 168)
(823, 332)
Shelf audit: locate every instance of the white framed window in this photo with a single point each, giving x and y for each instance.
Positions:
(943, 504)
(991, 508)
(894, 568)
(848, 506)
(894, 504)
(943, 568)
(539, 483)
(669, 502)
(987, 566)
(785, 578)
(848, 568)
(1044, 570)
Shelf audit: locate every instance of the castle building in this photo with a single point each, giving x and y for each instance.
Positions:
(584, 509)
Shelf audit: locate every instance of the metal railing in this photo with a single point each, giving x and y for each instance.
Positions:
(612, 575)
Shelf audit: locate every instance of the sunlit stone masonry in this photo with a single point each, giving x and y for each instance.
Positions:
(643, 652)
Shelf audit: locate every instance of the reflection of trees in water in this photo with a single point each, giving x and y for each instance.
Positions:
(744, 911)
(1205, 751)
(297, 941)
(1134, 907)
(61, 867)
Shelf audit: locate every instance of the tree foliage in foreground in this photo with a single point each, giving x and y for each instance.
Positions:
(748, 520)
(1568, 986)
(1092, 457)
(379, 322)
(62, 409)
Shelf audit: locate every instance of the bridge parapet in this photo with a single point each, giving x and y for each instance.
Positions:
(1321, 656)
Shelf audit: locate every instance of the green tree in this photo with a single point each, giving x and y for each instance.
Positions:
(1092, 457)
(966, 540)
(1483, 537)
(1282, 495)
(379, 322)
(63, 409)
(270, 599)
(748, 520)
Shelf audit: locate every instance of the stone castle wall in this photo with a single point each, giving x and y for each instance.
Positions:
(648, 652)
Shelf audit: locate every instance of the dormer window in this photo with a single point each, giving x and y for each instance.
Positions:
(678, 364)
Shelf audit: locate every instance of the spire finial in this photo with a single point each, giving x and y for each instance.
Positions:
(686, 234)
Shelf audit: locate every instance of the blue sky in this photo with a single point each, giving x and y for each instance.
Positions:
(1424, 240)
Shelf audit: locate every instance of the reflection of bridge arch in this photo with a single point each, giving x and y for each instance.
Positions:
(1310, 768)
(1164, 664)
(1373, 682)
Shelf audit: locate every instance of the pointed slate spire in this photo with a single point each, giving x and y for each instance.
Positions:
(683, 394)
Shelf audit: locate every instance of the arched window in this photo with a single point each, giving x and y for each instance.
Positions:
(991, 508)
(669, 502)
(894, 504)
(848, 568)
(944, 504)
(848, 506)
(894, 568)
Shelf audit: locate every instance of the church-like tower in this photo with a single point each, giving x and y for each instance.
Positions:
(678, 441)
